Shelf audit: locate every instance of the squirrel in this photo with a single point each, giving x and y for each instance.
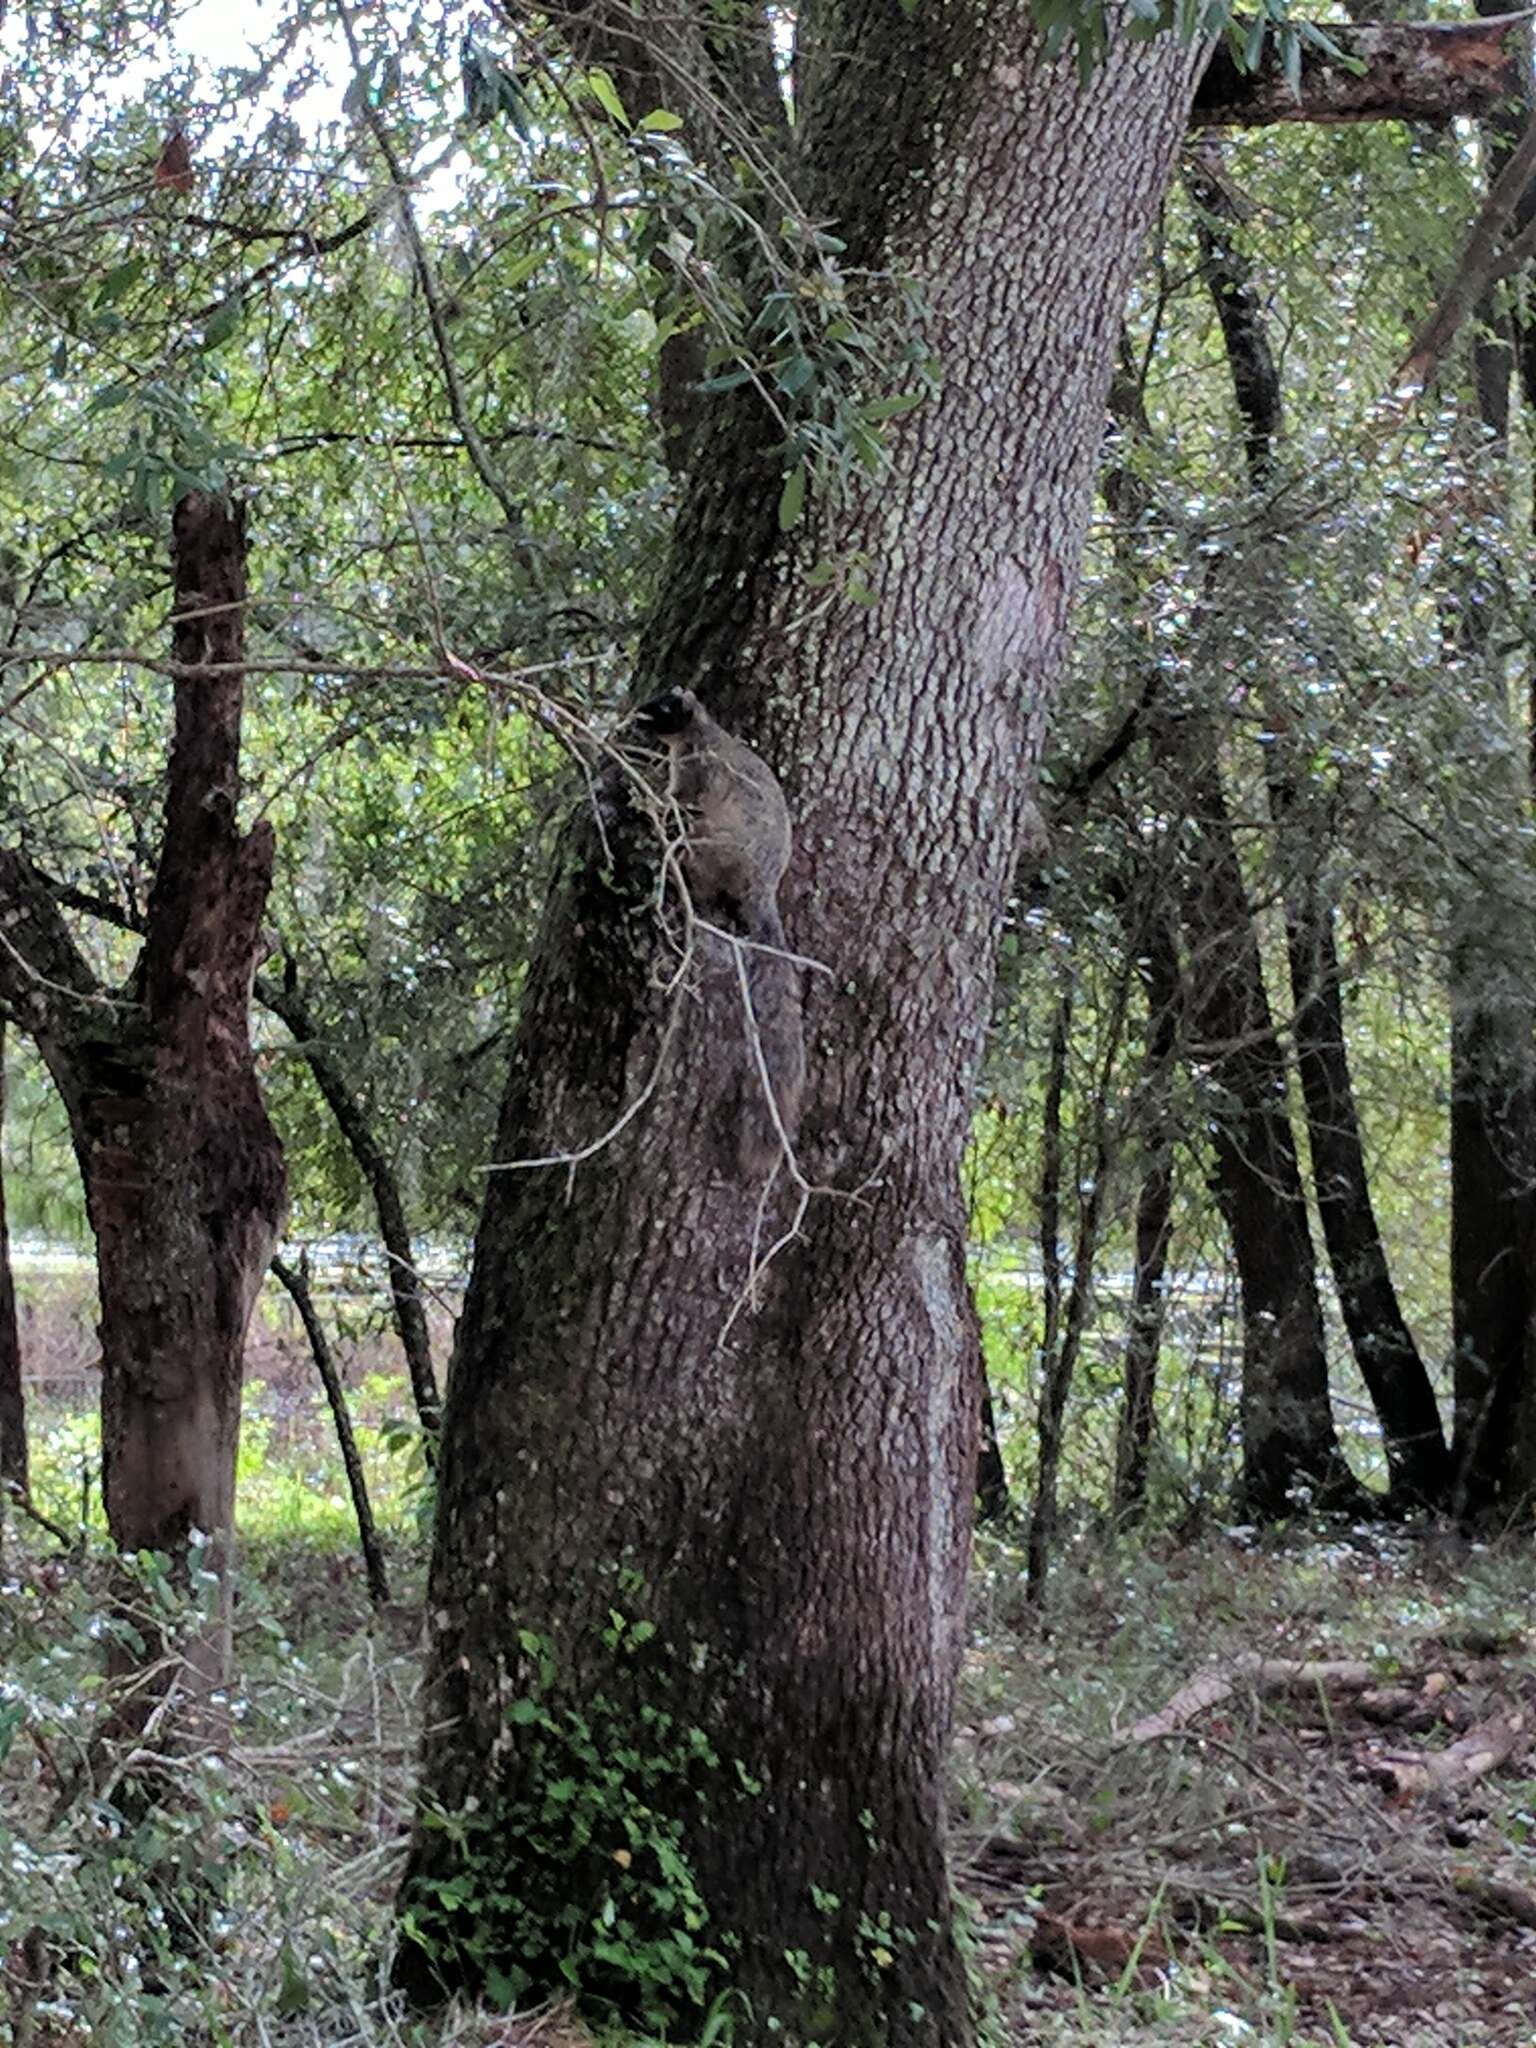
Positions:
(739, 843)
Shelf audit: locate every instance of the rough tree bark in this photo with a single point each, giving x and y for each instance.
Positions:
(719, 1533)
(13, 1405)
(182, 1171)
(1389, 1360)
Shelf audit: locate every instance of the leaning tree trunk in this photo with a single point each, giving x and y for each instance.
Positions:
(407, 1302)
(182, 1171)
(13, 1405)
(702, 1535)
(1389, 1360)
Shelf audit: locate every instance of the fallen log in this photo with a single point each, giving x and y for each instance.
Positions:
(1249, 1673)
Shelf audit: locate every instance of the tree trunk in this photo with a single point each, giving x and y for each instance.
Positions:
(994, 1503)
(405, 1293)
(295, 1281)
(182, 1171)
(1291, 1454)
(1493, 932)
(13, 1406)
(1390, 1364)
(699, 1565)
(1389, 1360)
(1055, 1364)
(1159, 957)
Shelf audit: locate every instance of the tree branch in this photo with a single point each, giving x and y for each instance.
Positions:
(1413, 71)
(42, 970)
(404, 1281)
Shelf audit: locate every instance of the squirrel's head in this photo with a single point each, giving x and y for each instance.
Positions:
(664, 717)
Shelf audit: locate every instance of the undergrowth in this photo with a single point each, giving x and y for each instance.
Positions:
(1242, 1881)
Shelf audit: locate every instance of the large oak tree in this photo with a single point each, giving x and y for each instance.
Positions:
(703, 1525)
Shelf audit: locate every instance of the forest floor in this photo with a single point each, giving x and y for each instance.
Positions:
(1337, 1850)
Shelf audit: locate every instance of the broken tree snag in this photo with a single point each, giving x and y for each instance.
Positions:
(1248, 1673)
(1418, 71)
(183, 1173)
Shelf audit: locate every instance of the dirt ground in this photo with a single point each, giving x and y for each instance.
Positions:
(1339, 1848)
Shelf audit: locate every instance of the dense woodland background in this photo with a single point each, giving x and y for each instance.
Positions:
(360, 365)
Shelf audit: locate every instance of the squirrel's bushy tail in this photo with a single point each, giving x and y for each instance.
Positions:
(773, 1049)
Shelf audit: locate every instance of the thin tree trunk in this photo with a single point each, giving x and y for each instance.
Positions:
(994, 1503)
(183, 1174)
(295, 1280)
(405, 1291)
(1389, 1360)
(13, 1406)
(1055, 1369)
(1159, 961)
(711, 1521)
(1493, 1007)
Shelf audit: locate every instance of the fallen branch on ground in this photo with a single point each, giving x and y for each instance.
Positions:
(1481, 1750)
(1249, 1673)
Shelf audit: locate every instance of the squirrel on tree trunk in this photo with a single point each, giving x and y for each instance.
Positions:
(738, 848)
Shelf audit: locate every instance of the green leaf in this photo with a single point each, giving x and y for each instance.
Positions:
(118, 280)
(224, 322)
(111, 395)
(893, 408)
(660, 122)
(293, 1993)
(517, 273)
(606, 93)
(795, 375)
(1290, 59)
(792, 498)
